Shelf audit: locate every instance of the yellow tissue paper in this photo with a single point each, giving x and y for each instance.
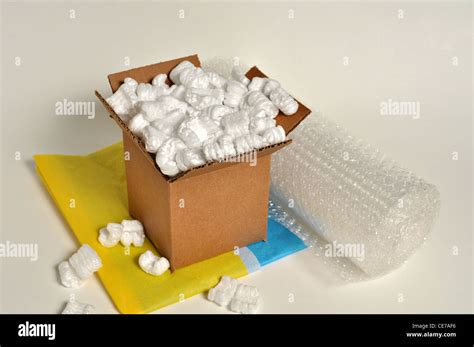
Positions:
(90, 191)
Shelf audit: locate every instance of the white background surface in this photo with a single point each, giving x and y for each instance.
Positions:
(408, 59)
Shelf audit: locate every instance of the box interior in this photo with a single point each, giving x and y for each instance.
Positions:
(146, 73)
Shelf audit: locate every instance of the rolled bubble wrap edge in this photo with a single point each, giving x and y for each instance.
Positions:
(344, 192)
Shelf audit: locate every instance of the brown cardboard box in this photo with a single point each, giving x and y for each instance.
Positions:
(205, 211)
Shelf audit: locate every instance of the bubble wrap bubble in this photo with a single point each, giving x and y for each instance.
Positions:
(342, 190)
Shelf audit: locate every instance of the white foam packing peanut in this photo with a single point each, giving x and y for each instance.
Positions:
(236, 124)
(194, 78)
(75, 307)
(137, 124)
(257, 84)
(129, 232)
(166, 156)
(194, 131)
(270, 85)
(157, 88)
(239, 75)
(202, 116)
(216, 112)
(124, 99)
(158, 131)
(280, 97)
(216, 80)
(274, 135)
(219, 149)
(133, 233)
(200, 98)
(110, 235)
(146, 92)
(179, 93)
(153, 264)
(158, 109)
(255, 102)
(246, 299)
(224, 291)
(259, 123)
(234, 93)
(238, 297)
(189, 158)
(249, 142)
(161, 88)
(153, 138)
(174, 74)
(68, 276)
(80, 266)
(284, 101)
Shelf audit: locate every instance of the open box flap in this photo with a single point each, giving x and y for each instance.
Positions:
(146, 73)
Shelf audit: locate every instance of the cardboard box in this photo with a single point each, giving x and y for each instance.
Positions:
(205, 211)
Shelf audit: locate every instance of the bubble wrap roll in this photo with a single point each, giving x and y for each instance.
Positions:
(345, 192)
